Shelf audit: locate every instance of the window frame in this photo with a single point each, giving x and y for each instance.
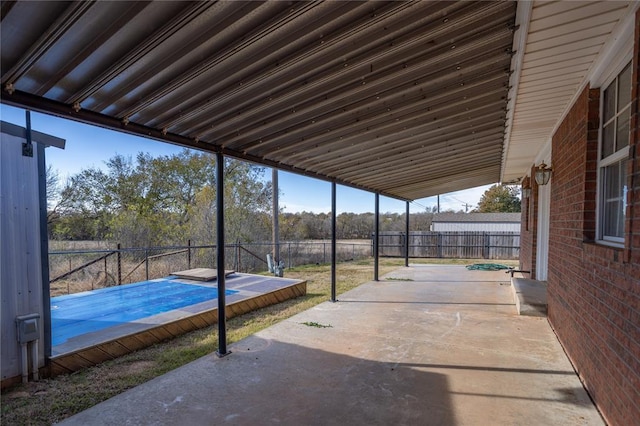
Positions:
(617, 156)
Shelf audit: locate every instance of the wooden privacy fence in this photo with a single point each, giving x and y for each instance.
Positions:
(456, 245)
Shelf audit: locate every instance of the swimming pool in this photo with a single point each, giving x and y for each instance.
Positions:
(76, 314)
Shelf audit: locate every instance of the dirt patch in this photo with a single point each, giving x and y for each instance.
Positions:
(135, 367)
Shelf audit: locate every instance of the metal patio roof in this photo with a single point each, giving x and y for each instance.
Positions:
(408, 99)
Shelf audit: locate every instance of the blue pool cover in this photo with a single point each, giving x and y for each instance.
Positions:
(81, 313)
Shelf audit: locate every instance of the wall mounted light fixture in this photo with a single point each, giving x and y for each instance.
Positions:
(543, 174)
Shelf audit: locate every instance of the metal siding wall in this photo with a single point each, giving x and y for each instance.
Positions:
(476, 227)
(20, 267)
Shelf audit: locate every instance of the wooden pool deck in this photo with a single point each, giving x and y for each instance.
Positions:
(251, 292)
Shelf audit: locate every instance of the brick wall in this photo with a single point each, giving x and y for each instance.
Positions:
(594, 290)
(632, 246)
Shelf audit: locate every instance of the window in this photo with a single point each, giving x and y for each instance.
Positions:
(614, 153)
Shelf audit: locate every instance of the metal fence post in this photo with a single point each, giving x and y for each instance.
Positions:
(188, 254)
(146, 262)
(119, 261)
(106, 274)
(235, 256)
(289, 254)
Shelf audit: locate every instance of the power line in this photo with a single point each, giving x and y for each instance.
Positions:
(464, 203)
(418, 204)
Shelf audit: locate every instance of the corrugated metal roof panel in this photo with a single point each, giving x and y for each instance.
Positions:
(346, 91)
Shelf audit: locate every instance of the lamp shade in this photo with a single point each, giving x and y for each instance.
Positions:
(543, 174)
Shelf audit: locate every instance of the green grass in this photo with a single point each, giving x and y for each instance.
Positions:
(52, 400)
(316, 324)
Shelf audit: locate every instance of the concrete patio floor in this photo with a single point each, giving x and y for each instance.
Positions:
(426, 345)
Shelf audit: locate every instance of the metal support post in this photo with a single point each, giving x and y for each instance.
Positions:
(275, 212)
(333, 241)
(222, 315)
(376, 238)
(406, 238)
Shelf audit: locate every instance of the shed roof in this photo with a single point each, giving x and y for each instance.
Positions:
(21, 132)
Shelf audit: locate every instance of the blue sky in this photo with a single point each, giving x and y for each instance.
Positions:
(90, 146)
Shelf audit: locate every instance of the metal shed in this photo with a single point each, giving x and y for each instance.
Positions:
(476, 222)
(23, 243)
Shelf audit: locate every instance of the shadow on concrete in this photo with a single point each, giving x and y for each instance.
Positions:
(426, 303)
(451, 281)
(567, 396)
(484, 368)
(266, 381)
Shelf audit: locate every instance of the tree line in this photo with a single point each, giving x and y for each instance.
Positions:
(160, 201)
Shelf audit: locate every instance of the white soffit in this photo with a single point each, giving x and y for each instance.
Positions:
(563, 40)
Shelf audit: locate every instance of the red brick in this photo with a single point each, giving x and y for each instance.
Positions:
(593, 290)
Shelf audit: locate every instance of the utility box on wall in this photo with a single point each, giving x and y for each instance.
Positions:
(27, 328)
(21, 240)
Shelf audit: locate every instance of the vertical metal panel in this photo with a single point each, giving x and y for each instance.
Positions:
(20, 251)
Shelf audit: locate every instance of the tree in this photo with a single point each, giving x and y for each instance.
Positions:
(421, 221)
(499, 199)
(56, 200)
(247, 206)
(165, 200)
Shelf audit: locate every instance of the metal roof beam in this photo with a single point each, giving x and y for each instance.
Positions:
(47, 106)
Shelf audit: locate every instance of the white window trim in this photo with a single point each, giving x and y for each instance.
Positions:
(622, 154)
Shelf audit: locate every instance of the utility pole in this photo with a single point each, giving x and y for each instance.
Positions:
(466, 207)
(438, 203)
